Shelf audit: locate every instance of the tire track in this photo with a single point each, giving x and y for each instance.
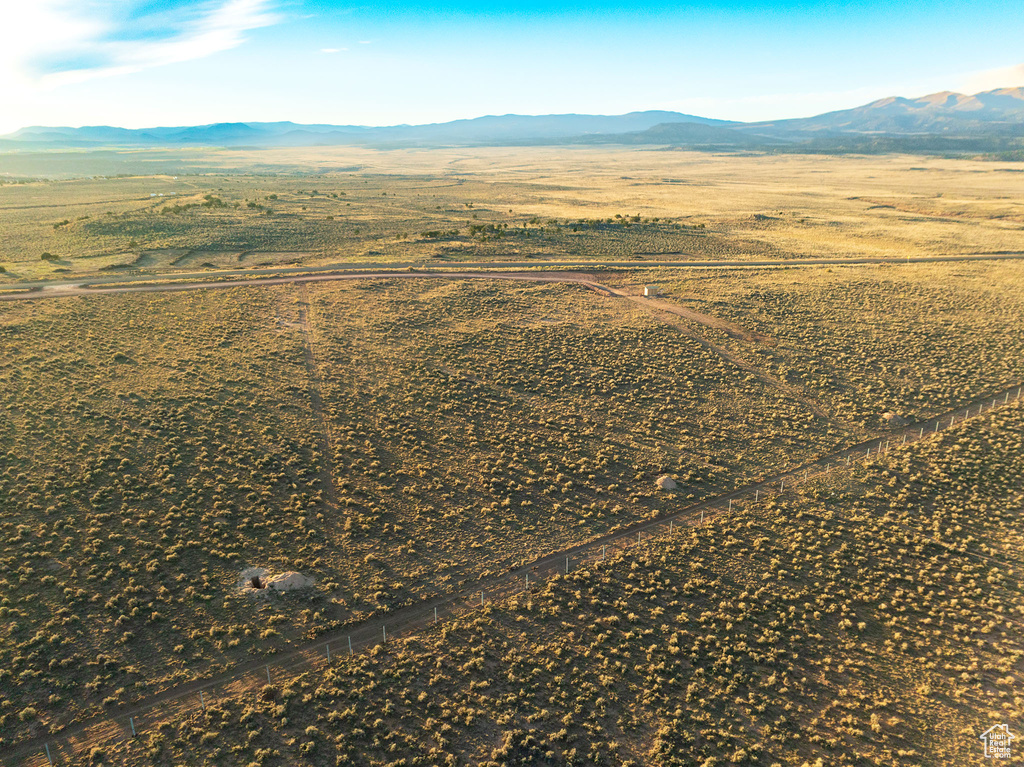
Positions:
(316, 402)
(763, 376)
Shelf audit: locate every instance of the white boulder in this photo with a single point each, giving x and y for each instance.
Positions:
(893, 419)
(289, 582)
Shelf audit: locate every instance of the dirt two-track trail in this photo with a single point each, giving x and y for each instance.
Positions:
(249, 676)
(316, 402)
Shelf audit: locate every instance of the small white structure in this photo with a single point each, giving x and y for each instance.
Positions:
(650, 290)
(666, 483)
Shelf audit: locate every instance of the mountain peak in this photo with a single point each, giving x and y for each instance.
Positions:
(945, 112)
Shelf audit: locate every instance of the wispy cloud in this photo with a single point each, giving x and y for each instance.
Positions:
(50, 43)
(990, 79)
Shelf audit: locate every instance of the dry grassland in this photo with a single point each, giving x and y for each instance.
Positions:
(158, 444)
(358, 205)
(863, 340)
(396, 439)
(870, 620)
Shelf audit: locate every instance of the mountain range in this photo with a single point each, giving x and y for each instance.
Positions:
(949, 120)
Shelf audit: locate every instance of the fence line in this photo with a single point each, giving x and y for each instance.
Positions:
(129, 722)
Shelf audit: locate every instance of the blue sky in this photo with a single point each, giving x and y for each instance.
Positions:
(138, 63)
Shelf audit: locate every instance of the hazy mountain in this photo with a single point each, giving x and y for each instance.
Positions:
(218, 134)
(996, 115)
(997, 112)
(491, 129)
(678, 134)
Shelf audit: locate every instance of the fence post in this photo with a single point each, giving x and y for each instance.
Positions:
(481, 598)
(349, 644)
(435, 606)
(922, 433)
(48, 757)
(782, 484)
(757, 492)
(637, 537)
(604, 551)
(730, 504)
(385, 630)
(671, 525)
(702, 516)
(131, 721)
(268, 674)
(202, 701)
(567, 565)
(328, 646)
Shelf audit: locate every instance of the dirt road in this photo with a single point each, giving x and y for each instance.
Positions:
(366, 269)
(84, 289)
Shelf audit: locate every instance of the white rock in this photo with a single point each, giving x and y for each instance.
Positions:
(289, 582)
(666, 483)
(892, 419)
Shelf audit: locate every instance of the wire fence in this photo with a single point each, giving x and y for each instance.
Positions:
(131, 722)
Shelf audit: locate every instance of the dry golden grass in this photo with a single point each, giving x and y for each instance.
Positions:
(752, 207)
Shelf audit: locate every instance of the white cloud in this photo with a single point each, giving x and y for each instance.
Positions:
(990, 79)
(50, 43)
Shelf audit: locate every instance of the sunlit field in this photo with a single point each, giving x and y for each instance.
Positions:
(333, 205)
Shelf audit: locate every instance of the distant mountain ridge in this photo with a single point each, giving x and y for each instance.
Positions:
(492, 128)
(994, 111)
(996, 114)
